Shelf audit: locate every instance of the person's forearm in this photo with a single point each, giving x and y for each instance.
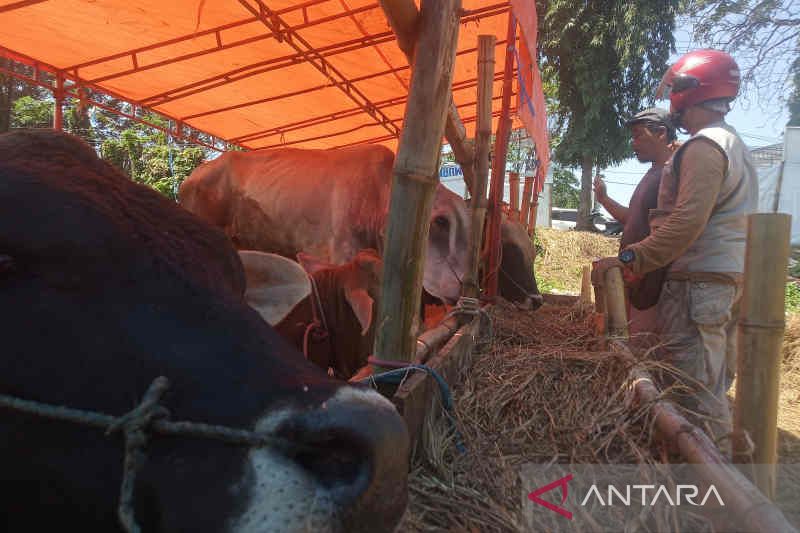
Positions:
(618, 211)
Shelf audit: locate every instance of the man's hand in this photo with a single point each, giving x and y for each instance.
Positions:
(600, 267)
(600, 189)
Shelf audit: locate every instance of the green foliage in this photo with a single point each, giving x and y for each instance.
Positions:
(793, 297)
(566, 188)
(602, 59)
(31, 112)
(764, 38)
(144, 153)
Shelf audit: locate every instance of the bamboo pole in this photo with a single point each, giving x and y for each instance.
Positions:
(615, 304)
(499, 165)
(483, 137)
(532, 219)
(403, 18)
(760, 337)
(414, 180)
(525, 211)
(750, 507)
(513, 195)
(586, 285)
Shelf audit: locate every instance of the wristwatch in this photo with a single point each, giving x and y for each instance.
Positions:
(626, 256)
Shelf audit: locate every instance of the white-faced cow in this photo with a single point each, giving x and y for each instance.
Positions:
(333, 322)
(327, 203)
(332, 203)
(105, 285)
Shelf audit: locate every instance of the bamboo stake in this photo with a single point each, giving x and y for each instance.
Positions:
(403, 18)
(483, 137)
(513, 182)
(751, 510)
(525, 211)
(586, 286)
(760, 337)
(534, 211)
(499, 165)
(749, 506)
(615, 304)
(415, 179)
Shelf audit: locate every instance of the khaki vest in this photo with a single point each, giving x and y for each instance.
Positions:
(721, 245)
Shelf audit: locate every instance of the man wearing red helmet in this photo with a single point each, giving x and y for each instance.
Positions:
(699, 228)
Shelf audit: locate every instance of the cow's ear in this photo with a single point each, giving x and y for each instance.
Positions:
(361, 303)
(275, 285)
(312, 264)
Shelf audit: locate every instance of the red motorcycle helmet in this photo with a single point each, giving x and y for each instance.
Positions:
(699, 76)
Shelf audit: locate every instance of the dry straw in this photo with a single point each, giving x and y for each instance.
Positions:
(542, 392)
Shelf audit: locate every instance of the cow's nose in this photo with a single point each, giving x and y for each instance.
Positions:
(359, 452)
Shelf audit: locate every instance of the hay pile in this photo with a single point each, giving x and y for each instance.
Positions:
(789, 410)
(561, 255)
(535, 395)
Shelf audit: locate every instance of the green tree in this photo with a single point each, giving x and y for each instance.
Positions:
(149, 157)
(566, 188)
(794, 98)
(12, 89)
(603, 58)
(764, 38)
(31, 112)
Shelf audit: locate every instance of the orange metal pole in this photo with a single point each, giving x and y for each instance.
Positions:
(499, 164)
(58, 95)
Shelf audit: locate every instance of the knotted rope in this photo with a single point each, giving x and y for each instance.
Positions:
(148, 418)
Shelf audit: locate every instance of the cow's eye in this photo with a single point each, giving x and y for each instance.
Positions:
(441, 222)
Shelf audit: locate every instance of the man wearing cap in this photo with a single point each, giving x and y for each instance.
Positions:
(699, 229)
(653, 137)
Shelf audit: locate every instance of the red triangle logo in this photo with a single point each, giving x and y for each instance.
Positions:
(534, 496)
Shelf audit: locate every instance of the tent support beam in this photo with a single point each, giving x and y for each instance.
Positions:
(456, 86)
(72, 92)
(403, 18)
(310, 55)
(324, 120)
(377, 140)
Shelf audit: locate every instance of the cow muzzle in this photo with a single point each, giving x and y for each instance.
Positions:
(348, 473)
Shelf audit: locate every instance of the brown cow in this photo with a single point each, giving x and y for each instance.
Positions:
(517, 282)
(343, 305)
(327, 203)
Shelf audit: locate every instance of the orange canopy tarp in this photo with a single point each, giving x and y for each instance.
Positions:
(314, 74)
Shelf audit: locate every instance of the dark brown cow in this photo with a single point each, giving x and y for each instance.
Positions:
(106, 285)
(342, 304)
(517, 282)
(327, 203)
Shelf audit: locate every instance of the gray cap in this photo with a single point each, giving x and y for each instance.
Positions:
(655, 115)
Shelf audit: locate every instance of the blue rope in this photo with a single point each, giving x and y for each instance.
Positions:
(523, 91)
(395, 377)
